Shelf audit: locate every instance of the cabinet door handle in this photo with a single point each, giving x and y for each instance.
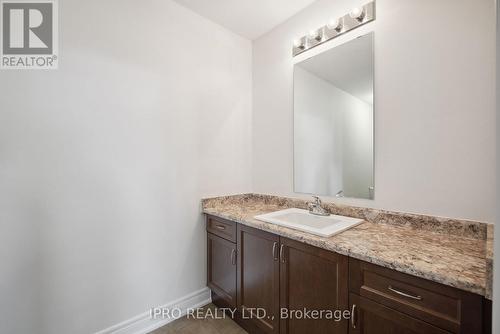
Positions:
(275, 251)
(282, 257)
(401, 293)
(233, 256)
(353, 314)
(220, 227)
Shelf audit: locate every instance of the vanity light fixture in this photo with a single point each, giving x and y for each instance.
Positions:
(335, 27)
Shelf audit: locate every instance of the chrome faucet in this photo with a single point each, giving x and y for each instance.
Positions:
(315, 207)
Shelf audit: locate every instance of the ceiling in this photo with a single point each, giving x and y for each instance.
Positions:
(348, 66)
(248, 18)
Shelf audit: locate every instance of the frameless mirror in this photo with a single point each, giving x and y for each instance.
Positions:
(333, 121)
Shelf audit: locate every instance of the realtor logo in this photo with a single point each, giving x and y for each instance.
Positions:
(28, 34)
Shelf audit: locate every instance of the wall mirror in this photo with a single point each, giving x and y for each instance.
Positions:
(333, 121)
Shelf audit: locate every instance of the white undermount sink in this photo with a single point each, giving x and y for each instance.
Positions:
(302, 220)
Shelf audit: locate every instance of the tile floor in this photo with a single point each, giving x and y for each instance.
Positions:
(201, 326)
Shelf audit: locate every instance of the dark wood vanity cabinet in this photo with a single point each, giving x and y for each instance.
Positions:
(277, 274)
(252, 269)
(274, 273)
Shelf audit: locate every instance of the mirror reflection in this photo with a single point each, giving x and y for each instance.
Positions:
(333, 121)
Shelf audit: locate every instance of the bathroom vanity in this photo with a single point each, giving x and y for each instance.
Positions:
(395, 273)
(392, 277)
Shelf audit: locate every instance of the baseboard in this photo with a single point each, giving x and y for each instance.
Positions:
(143, 323)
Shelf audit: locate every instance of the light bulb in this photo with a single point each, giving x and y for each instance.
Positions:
(357, 13)
(298, 43)
(315, 34)
(334, 24)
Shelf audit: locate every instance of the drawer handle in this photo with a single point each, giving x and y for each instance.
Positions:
(275, 253)
(353, 313)
(220, 227)
(404, 294)
(282, 257)
(233, 256)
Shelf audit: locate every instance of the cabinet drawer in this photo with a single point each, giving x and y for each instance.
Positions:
(223, 228)
(372, 318)
(443, 306)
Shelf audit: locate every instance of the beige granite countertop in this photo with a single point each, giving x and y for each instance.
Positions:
(461, 261)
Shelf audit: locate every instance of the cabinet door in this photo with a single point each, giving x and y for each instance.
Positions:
(312, 279)
(258, 278)
(221, 269)
(370, 317)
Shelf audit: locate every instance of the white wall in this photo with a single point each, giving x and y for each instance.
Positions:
(104, 161)
(434, 104)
